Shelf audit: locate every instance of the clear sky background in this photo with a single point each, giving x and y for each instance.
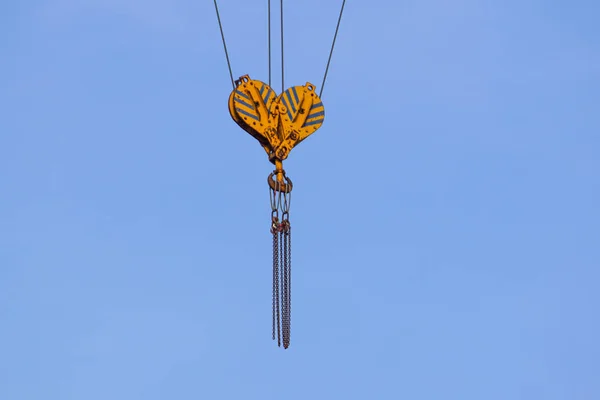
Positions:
(446, 215)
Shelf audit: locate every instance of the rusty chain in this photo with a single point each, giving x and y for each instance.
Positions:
(275, 205)
(286, 281)
(275, 273)
(288, 255)
(281, 297)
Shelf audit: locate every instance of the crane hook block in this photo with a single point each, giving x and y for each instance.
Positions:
(279, 123)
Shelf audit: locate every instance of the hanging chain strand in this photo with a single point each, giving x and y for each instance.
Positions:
(280, 198)
(286, 281)
(288, 256)
(275, 268)
(283, 276)
(275, 224)
(285, 225)
(276, 283)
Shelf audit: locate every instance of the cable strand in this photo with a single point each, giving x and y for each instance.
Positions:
(282, 80)
(332, 47)
(269, 24)
(224, 44)
(275, 266)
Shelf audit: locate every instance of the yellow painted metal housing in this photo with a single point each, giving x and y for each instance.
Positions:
(279, 123)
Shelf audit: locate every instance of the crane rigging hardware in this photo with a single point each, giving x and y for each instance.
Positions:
(278, 123)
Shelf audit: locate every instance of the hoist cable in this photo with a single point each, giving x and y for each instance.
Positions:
(282, 74)
(282, 80)
(224, 44)
(332, 46)
(269, 24)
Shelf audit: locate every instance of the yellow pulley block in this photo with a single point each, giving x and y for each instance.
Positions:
(249, 105)
(301, 115)
(278, 123)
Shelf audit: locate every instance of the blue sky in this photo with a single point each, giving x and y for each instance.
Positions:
(445, 216)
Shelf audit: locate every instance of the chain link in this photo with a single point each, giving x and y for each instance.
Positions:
(288, 255)
(283, 275)
(286, 288)
(276, 262)
(281, 230)
(275, 268)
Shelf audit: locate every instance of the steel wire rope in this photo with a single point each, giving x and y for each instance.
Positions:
(224, 44)
(282, 80)
(332, 46)
(269, 25)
